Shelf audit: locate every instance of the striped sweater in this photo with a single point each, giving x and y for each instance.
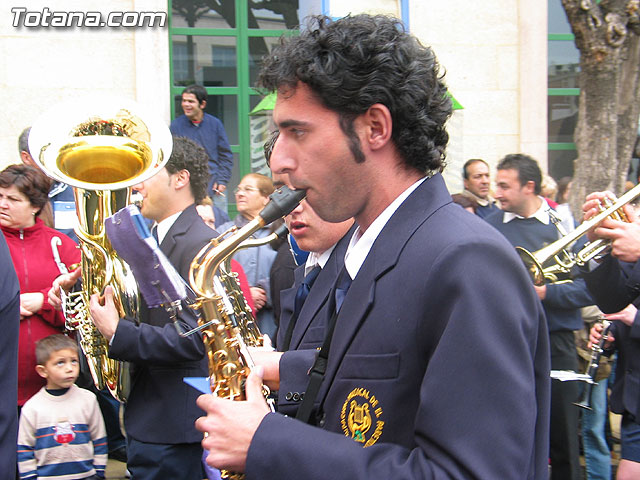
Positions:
(62, 437)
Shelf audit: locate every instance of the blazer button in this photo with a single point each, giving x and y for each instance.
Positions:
(296, 397)
(322, 421)
(288, 396)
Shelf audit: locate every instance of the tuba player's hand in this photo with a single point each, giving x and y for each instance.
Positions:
(64, 281)
(104, 313)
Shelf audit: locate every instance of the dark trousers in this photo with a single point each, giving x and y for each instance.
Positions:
(156, 461)
(564, 449)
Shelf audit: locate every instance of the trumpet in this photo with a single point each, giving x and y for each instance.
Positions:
(563, 259)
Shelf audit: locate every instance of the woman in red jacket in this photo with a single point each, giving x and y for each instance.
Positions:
(39, 255)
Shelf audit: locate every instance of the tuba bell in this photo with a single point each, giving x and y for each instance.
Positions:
(101, 149)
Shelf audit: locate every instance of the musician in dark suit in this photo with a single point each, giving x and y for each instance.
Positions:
(326, 243)
(9, 321)
(614, 283)
(161, 410)
(434, 370)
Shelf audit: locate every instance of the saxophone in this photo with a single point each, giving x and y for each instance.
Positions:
(101, 149)
(228, 331)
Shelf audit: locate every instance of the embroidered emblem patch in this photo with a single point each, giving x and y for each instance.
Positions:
(360, 417)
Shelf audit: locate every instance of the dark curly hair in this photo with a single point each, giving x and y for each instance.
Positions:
(527, 168)
(357, 61)
(188, 155)
(29, 181)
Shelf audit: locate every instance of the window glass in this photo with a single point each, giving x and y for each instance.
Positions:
(561, 163)
(284, 14)
(558, 22)
(564, 64)
(562, 114)
(203, 14)
(208, 61)
(258, 48)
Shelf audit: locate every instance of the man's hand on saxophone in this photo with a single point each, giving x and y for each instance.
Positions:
(65, 281)
(269, 360)
(104, 313)
(230, 425)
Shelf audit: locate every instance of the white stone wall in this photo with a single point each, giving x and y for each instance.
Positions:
(494, 56)
(43, 66)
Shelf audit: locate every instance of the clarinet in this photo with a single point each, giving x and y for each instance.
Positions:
(594, 364)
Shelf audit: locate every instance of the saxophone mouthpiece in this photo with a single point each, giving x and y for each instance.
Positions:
(282, 203)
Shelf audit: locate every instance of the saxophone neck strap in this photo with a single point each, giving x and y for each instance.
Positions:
(316, 373)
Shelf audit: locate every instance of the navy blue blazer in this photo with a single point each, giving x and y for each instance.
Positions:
(161, 408)
(439, 363)
(10, 323)
(309, 329)
(614, 285)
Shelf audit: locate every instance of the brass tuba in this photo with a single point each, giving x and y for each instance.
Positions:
(101, 149)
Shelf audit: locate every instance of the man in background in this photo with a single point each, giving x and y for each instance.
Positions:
(477, 184)
(9, 322)
(527, 221)
(208, 131)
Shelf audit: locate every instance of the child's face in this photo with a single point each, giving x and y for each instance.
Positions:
(61, 370)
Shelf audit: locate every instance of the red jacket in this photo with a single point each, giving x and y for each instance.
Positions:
(32, 254)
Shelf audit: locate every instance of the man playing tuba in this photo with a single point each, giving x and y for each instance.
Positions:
(160, 412)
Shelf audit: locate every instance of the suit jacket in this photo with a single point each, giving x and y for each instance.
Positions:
(614, 285)
(161, 408)
(9, 322)
(439, 363)
(309, 330)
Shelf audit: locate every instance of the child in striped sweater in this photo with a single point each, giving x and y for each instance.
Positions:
(62, 434)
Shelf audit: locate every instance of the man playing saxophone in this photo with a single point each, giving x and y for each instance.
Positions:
(418, 349)
(160, 412)
(614, 282)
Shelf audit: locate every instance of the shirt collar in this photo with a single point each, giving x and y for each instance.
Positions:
(361, 243)
(164, 226)
(542, 214)
(315, 259)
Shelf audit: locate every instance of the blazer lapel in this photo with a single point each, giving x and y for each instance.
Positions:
(179, 228)
(323, 286)
(287, 302)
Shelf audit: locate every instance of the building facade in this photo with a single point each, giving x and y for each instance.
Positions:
(494, 56)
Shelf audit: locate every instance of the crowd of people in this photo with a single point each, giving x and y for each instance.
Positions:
(410, 340)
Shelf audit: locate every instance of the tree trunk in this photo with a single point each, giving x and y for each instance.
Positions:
(609, 85)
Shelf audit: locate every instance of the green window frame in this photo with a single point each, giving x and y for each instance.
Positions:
(555, 147)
